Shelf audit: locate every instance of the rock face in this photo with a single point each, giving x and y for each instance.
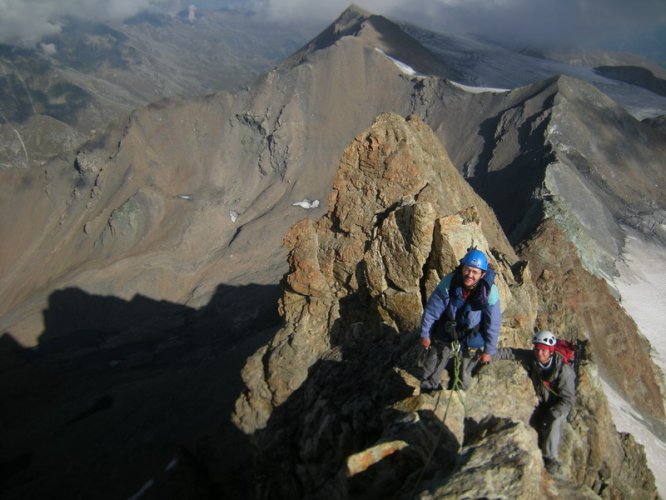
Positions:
(591, 179)
(332, 401)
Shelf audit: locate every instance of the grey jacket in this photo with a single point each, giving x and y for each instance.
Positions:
(555, 388)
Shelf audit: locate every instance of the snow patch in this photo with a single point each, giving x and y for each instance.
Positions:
(172, 464)
(192, 13)
(405, 68)
(477, 90)
(307, 204)
(627, 420)
(142, 491)
(49, 49)
(642, 286)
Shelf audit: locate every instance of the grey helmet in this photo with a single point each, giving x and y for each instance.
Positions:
(544, 337)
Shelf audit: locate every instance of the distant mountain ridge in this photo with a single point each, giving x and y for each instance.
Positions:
(74, 84)
(484, 64)
(80, 80)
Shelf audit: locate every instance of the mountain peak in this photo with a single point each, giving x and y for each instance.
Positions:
(378, 32)
(353, 13)
(348, 23)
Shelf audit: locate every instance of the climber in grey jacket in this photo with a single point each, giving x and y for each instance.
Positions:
(555, 384)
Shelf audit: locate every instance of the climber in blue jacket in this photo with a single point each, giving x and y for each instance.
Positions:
(463, 312)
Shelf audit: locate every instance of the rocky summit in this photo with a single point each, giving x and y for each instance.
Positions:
(332, 401)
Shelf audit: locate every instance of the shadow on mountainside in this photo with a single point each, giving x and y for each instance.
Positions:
(634, 75)
(120, 395)
(517, 213)
(62, 101)
(336, 412)
(345, 406)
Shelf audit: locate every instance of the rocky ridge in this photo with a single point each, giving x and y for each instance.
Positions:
(332, 400)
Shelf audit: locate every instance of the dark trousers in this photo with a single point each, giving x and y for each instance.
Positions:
(549, 430)
(439, 356)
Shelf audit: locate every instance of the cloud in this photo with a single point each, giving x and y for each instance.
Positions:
(521, 22)
(25, 22)
(49, 49)
(534, 22)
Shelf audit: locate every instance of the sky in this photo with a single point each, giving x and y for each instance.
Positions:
(632, 25)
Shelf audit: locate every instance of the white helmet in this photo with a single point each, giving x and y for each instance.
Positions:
(544, 337)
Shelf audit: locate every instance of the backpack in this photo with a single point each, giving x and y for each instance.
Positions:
(567, 350)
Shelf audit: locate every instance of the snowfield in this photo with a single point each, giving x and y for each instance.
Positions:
(642, 286)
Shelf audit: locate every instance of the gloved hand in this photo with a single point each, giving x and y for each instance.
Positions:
(484, 359)
(425, 342)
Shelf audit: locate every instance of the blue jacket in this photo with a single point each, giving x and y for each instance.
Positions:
(477, 320)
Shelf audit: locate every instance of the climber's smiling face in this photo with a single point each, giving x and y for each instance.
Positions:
(542, 354)
(471, 276)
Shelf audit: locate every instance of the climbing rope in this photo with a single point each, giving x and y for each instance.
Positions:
(456, 386)
(457, 366)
